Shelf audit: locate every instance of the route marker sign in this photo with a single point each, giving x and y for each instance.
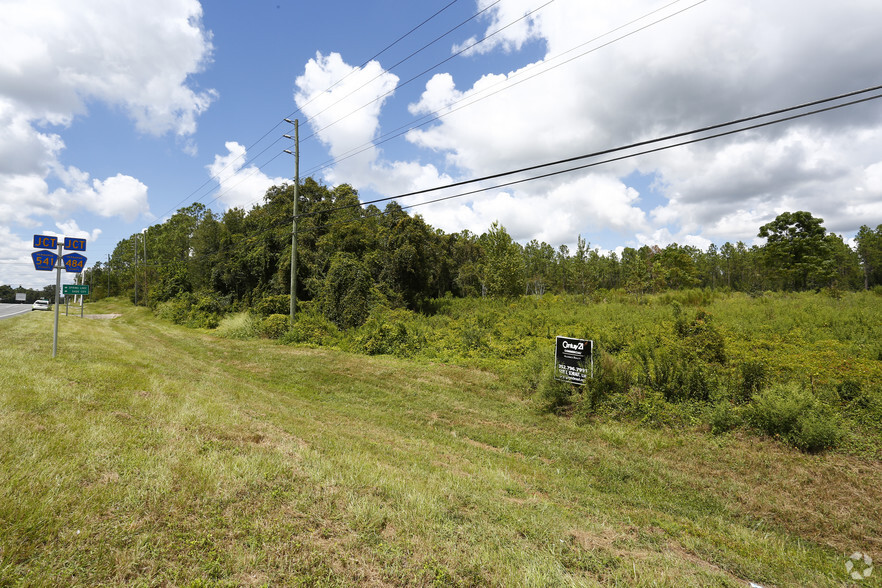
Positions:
(44, 261)
(72, 244)
(74, 262)
(75, 289)
(45, 242)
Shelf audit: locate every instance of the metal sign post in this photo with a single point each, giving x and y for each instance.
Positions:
(47, 261)
(58, 266)
(80, 290)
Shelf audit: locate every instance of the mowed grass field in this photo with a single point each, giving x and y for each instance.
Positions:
(150, 454)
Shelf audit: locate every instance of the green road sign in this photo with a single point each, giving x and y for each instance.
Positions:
(75, 289)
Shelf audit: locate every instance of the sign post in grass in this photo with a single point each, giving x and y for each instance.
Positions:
(47, 261)
(572, 358)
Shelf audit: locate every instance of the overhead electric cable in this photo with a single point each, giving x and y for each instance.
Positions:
(507, 85)
(388, 69)
(419, 75)
(253, 172)
(389, 46)
(577, 168)
(216, 176)
(632, 146)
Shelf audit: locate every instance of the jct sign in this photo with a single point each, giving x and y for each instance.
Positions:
(46, 260)
(573, 360)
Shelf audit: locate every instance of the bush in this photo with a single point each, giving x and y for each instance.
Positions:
(533, 368)
(754, 378)
(556, 395)
(175, 310)
(274, 326)
(312, 328)
(675, 374)
(611, 376)
(274, 304)
(242, 325)
(703, 338)
(724, 417)
(347, 294)
(201, 311)
(794, 414)
(389, 332)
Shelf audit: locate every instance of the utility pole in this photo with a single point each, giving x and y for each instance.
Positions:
(108, 276)
(136, 268)
(296, 155)
(145, 267)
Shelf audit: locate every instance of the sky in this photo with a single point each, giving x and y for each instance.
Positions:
(116, 113)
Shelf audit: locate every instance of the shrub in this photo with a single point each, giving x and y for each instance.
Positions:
(202, 311)
(675, 374)
(273, 304)
(611, 376)
(311, 327)
(205, 312)
(754, 377)
(274, 326)
(242, 325)
(849, 390)
(391, 332)
(533, 368)
(724, 417)
(347, 294)
(175, 310)
(794, 414)
(703, 338)
(556, 395)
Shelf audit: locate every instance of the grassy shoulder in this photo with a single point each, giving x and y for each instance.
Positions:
(803, 368)
(147, 453)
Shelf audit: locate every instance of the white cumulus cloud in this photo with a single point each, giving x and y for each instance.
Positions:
(709, 64)
(60, 56)
(240, 186)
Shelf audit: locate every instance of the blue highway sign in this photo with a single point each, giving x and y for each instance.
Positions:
(44, 261)
(74, 262)
(45, 242)
(71, 244)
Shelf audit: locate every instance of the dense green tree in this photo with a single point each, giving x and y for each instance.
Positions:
(677, 267)
(538, 266)
(869, 249)
(352, 258)
(796, 250)
(346, 296)
(502, 272)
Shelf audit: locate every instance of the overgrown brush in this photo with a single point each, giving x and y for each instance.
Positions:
(242, 325)
(793, 413)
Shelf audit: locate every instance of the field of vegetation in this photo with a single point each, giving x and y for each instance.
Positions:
(802, 367)
(725, 439)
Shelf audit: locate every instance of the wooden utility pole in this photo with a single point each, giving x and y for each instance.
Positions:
(296, 155)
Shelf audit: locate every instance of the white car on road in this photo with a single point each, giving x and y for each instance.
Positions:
(41, 304)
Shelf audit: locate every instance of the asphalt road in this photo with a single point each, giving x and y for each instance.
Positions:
(9, 310)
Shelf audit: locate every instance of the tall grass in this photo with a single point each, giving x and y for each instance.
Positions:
(149, 454)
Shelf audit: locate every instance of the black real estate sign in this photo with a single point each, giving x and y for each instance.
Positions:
(573, 360)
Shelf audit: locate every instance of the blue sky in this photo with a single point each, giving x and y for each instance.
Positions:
(114, 113)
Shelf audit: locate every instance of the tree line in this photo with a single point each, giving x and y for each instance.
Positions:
(352, 258)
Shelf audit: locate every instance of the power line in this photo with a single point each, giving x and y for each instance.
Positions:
(628, 147)
(758, 125)
(215, 177)
(472, 99)
(314, 134)
(419, 75)
(386, 70)
(507, 84)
